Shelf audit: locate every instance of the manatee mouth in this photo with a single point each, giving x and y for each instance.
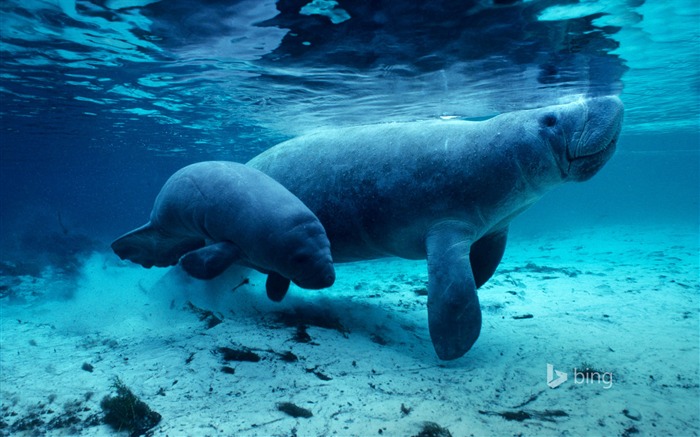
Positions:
(583, 167)
(609, 147)
(593, 148)
(596, 141)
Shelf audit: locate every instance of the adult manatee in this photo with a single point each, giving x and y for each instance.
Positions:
(444, 191)
(210, 215)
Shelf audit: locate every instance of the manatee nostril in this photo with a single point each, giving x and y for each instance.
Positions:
(329, 276)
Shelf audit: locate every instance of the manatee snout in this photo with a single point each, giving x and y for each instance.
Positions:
(597, 138)
(308, 261)
(321, 275)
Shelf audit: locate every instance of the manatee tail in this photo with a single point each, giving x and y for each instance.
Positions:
(150, 247)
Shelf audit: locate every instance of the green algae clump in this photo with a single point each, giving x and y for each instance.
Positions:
(125, 411)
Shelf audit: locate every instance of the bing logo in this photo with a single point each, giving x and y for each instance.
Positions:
(555, 378)
(559, 380)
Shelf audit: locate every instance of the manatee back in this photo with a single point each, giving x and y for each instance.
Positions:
(377, 189)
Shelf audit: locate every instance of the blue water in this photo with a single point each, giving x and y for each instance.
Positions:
(102, 100)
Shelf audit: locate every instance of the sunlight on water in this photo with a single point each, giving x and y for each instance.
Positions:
(217, 71)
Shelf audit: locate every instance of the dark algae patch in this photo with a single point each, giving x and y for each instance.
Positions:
(432, 429)
(301, 335)
(244, 354)
(207, 316)
(126, 412)
(320, 375)
(534, 268)
(288, 357)
(312, 316)
(523, 415)
(294, 410)
(41, 419)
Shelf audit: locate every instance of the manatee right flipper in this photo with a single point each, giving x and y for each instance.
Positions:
(454, 315)
(210, 261)
(150, 247)
(276, 286)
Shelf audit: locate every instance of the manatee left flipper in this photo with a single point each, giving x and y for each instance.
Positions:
(485, 254)
(276, 286)
(454, 315)
(149, 246)
(210, 261)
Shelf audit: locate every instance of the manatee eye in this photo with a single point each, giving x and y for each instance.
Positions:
(549, 120)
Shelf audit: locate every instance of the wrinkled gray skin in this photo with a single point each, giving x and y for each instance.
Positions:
(210, 215)
(444, 191)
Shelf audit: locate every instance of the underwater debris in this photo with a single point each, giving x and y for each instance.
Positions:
(310, 316)
(244, 354)
(5, 291)
(189, 359)
(243, 282)
(287, 356)
(64, 421)
(294, 410)
(524, 316)
(301, 335)
(125, 411)
(320, 375)
(228, 370)
(432, 429)
(629, 431)
(680, 284)
(248, 354)
(422, 291)
(405, 410)
(532, 267)
(522, 415)
(30, 422)
(88, 367)
(207, 316)
(531, 399)
(632, 414)
(376, 338)
(42, 418)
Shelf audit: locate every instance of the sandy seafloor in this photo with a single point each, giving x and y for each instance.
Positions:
(623, 300)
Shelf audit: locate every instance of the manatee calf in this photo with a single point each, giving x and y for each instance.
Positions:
(444, 191)
(210, 215)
